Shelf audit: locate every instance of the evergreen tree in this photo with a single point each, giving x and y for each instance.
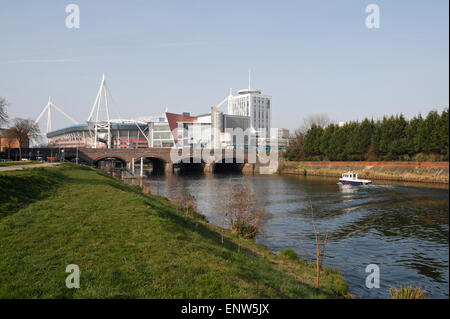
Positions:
(392, 138)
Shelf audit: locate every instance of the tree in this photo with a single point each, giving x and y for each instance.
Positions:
(392, 138)
(242, 213)
(311, 146)
(443, 134)
(3, 113)
(325, 140)
(411, 135)
(321, 244)
(294, 150)
(432, 132)
(320, 120)
(24, 131)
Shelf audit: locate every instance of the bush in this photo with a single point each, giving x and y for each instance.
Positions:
(288, 253)
(407, 293)
(242, 212)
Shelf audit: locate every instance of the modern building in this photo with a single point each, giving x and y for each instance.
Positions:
(255, 105)
(283, 138)
(212, 130)
(249, 112)
(108, 135)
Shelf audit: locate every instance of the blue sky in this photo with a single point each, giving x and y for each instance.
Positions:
(311, 56)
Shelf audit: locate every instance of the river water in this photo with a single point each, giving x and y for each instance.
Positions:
(401, 228)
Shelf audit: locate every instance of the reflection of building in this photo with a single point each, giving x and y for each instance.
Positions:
(9, 142)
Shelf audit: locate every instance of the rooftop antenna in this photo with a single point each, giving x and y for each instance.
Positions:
(249, 78)
(48, 109)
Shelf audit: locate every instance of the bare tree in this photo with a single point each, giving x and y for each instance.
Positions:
(295, 147)
(320, 248)
(320, 119)
(3, 114)
(242, 213)
(24, 131)
(186, 203)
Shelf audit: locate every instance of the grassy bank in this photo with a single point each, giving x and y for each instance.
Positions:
(129, 245)
(404, 173)
(15, 163)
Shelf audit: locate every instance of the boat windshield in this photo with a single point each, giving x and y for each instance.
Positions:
(350, 175)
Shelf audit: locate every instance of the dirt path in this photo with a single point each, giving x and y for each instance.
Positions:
(17, 167)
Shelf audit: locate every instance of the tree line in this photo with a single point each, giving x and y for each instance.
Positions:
(392, 138)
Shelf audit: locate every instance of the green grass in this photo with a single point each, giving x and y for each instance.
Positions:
(288, 253)
(14, 163)
(407, 293)
(129, 245)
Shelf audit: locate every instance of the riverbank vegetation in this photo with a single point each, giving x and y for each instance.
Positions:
(15, 163)
(392, 138)
(242, 212)
(407, 293)
(128, 244)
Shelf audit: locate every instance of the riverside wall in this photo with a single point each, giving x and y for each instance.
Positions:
(426, 172)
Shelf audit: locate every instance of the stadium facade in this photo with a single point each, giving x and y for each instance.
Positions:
(249, 111)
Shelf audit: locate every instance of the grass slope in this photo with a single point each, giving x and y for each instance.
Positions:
(129, 245)
(15, 163)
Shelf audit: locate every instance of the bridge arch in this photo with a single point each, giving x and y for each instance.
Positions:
(153, 165)
(190, 164)
(228, 165)
(110, 161)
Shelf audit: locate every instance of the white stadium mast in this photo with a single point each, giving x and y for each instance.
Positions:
(48, 109)
(102, 95)
(102, 128)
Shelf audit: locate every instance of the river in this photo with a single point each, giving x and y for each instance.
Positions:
(401, 228)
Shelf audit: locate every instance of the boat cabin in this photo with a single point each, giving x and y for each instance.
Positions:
(350, 175)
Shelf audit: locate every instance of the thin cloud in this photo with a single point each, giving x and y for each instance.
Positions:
(155, 45)
(60, 60)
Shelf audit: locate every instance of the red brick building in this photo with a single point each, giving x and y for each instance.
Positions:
(9, 142)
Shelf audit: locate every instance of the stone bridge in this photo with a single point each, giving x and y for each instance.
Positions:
(161, 159)
(246, 161)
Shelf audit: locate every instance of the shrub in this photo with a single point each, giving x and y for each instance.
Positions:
(288, 253)
(407, 293)
(242, 212)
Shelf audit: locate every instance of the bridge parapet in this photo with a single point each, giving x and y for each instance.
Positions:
(161, 155)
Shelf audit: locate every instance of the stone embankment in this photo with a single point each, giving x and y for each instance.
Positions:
(426, 172)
